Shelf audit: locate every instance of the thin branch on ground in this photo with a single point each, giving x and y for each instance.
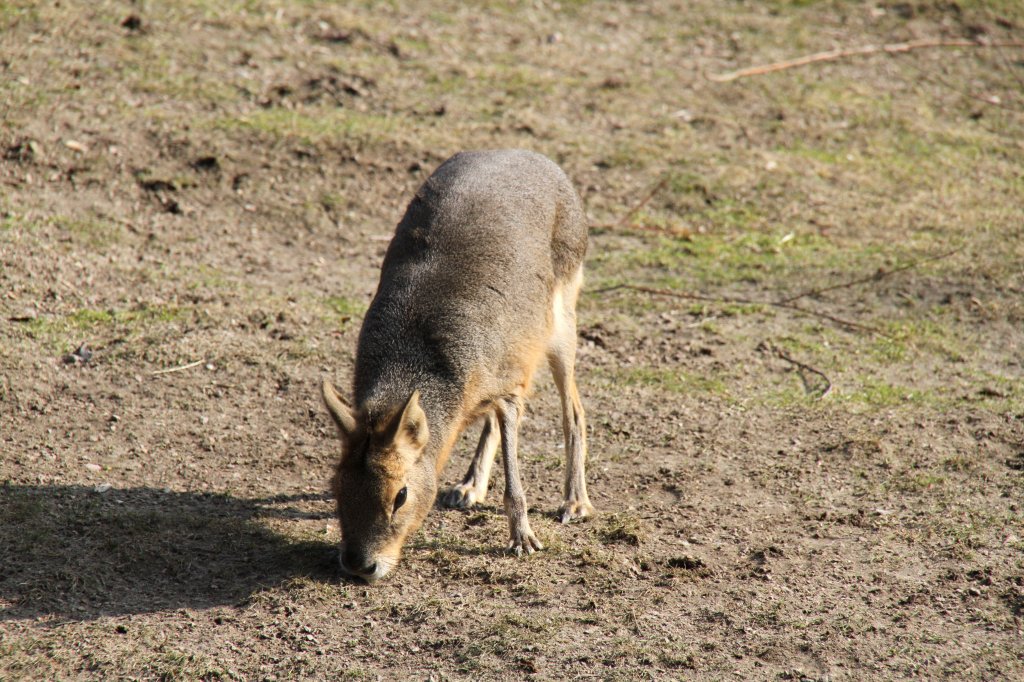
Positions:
(744, 301)
(788, 303)
(808, 388)
(643, 202)
(843, 53)
(624, 221)
(179, 368)
(881, 274)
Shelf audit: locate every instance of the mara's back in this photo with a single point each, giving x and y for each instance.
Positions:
(468, 280)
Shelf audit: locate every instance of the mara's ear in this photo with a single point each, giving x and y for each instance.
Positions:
(340, 412)
(412, 424)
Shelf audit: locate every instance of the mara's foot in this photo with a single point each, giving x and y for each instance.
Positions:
(523, 540)
(463, 496)
(574, 510)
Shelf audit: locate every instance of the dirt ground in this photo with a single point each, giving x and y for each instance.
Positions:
(807, 456)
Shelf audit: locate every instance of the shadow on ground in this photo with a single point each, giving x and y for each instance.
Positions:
(77, 554)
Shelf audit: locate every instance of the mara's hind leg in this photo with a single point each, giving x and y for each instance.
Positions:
(473, 488)
(562, 359)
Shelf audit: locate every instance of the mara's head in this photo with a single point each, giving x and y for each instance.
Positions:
(382, 486)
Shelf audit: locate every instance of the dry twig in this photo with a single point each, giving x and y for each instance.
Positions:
(176, 369)
(805, 367)
(744, 301)
(881, 274)
(843, 53)
(643, 202)
(624, 221)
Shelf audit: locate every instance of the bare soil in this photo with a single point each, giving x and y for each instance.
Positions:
(808, 462)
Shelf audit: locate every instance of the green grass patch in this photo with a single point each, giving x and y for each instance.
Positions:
(814, 340)
(519, 81)
(173, 665)
(788, 394)
(631, 153)
(734, 216)
(995, 392)
(14, 12)
(876, 393)
(819, 154)
(671, 380)
(148, 69)
(917, 482)
(343, 309)
(89, 231)
(622, 529)
(957, 463)
(318, 124)
(921, 334)
(202, 276)
(12, 223)
(888, 350)
(716, 260)
(59, 333)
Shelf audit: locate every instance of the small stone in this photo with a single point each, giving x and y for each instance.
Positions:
(93, 467)
(133, 22)
(208, 164)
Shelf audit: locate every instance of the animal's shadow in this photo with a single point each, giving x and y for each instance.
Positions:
(75, 553)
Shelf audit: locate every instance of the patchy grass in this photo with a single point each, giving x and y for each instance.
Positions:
(877, 393)
(88, 231)
(87, 319)
(125, 328)
(671, 380)
(173, 665)
(344, 309)
(322, 125)
(622, 528)
(712, 261)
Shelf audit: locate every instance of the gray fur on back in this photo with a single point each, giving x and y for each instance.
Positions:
(469, 275)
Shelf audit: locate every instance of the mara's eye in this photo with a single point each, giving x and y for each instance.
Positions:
(400, 498)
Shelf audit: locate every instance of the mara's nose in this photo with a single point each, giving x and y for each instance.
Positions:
(357, 563)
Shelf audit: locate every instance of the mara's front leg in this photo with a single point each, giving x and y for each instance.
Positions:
(473, 488)
(521, 537)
